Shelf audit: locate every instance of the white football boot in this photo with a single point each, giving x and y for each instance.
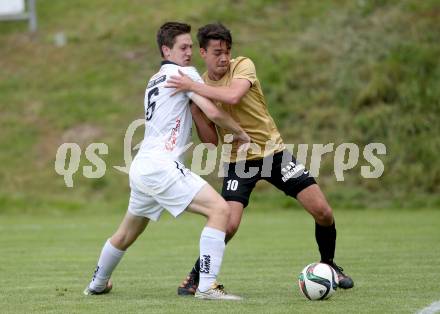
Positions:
(216, 292)
(107, 289)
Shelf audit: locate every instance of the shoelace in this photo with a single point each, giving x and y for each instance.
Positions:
(190, 281)
(338, 269)
(220, 289)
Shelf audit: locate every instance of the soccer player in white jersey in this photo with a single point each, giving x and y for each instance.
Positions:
(159, 180)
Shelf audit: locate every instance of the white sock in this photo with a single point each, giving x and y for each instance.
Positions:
(212, 247)
(109, 259)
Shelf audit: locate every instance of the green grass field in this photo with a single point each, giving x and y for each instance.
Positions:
(393, 256)
(332, 72)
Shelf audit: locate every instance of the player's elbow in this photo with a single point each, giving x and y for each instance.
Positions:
(234, 99)
(214, 114)
(235, 96)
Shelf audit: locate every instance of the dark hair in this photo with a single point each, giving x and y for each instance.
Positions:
(216, 31)
(167, 33)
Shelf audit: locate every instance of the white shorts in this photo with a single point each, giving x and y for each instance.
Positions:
(161, 184)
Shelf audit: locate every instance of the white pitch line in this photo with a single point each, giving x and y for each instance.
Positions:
(431, 309)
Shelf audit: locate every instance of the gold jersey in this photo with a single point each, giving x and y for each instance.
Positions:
(250, 113)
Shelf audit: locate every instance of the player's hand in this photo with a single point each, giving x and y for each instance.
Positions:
(180, 82)
(243, 141)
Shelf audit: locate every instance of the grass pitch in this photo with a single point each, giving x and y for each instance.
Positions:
(393, 256)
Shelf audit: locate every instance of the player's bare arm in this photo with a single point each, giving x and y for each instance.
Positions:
(205, 128)
(231, 94)
(222, 119)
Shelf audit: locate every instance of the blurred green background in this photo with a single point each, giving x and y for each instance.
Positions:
(332, 72)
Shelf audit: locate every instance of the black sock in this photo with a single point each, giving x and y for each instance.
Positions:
(196, 269)
(326, 239)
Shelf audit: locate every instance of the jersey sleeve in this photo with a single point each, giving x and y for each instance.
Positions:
(194, 75)
(245, 69)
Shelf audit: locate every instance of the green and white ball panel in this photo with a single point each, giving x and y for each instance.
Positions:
(318, 281)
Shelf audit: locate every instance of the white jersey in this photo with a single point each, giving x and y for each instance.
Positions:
(158, 179)
(168, 119)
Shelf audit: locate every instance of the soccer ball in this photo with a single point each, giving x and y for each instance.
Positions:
(318, 281)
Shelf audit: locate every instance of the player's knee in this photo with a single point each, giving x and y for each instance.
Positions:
(223, 209)
(220, 211)
(232, 228)
(323, 214)
(120, 240)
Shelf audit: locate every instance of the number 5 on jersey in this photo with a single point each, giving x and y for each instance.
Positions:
(151, 104)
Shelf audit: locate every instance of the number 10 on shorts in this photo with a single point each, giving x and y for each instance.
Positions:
(232, 185)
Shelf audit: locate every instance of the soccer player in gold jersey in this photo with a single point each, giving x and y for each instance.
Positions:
(233, 85)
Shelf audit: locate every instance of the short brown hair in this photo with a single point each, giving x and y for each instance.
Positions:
(167, 33)
(215, 31)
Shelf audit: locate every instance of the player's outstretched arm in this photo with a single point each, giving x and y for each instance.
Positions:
(205, 128)
(222, 119)
(231, 94)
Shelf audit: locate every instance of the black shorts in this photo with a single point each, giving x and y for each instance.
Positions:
(280, 169)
